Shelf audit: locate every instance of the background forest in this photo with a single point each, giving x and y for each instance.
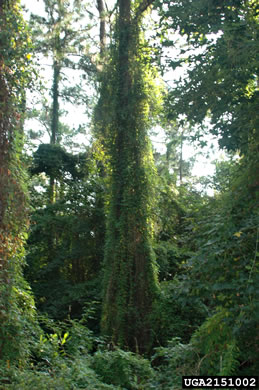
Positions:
(122, 266)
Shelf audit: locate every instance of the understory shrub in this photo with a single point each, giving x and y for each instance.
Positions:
(212, 350)
(121, 368)
(63, 359)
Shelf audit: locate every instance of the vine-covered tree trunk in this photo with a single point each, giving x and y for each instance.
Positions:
(13, 58)
(130, 281)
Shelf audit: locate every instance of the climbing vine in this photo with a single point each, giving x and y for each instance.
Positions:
(130, 282)
(15, 299)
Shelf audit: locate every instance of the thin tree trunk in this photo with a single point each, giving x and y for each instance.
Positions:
(101, 10)
(181, 160)
(54, 121)
(55, 103)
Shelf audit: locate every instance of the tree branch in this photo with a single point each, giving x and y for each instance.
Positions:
(143, 7)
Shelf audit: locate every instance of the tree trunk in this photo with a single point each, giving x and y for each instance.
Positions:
(54, 121)
(55, 103)
(181, 160)
(130, 280)
(102, 35)
(12, 192)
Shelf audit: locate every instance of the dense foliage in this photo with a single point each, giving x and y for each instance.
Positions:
(222, 75)
(118, 268)
(16, 302)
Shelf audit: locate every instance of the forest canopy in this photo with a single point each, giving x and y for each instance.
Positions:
(124, 262)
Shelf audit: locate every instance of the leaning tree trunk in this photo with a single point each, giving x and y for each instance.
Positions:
(130, 280)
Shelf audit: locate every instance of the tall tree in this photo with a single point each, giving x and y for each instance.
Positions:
(130, 283)
(14, 56)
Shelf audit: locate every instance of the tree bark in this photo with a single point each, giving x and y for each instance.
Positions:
(55, 102)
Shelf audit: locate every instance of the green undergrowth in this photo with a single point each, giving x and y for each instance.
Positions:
(68, 357)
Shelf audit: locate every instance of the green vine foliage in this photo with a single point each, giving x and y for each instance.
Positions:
(212, 350)
(121, 368)
(223, 274)
(222, 83)
(130, 281)
(16, 303)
